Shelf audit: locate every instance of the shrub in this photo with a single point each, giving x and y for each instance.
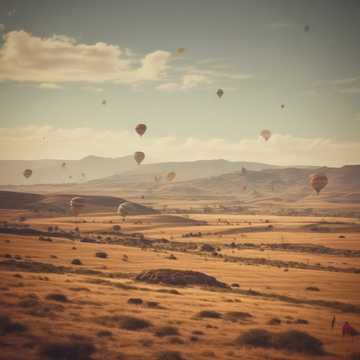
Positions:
(353, 356)
(255, 338)
(292, 341)
(101, 255)
(237, 315)
(298, 341)
(57, 297)
(169, 355)
(116, 228)
(312, 288)
(76, 262)
(103, 333)
(209, 314)
(7, 326)
(67, 350)
(135, 301)
(166, 331)
(274, 321)
(126, 322)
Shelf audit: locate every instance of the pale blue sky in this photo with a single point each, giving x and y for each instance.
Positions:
(257, 51)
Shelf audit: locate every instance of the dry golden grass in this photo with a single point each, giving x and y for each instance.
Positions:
(97, 305)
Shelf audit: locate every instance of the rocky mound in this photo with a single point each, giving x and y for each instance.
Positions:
(179, 277)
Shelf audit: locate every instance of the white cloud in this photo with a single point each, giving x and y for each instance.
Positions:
(57, 59)
(187, 82)
(28, 143)
(51, 86)
(168, 86)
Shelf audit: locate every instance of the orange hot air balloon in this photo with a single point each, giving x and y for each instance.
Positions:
(266, 134)
(318, 182)
(140, 129)
(171, 176)
(139, 156)
(76, 205)
(27, 173)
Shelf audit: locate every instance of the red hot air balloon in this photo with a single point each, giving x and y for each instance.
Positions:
(318, 182)
(266, 134)
(139, 156)
(140, 129)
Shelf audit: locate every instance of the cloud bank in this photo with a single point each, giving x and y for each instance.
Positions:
(36, 142)
(28, 58)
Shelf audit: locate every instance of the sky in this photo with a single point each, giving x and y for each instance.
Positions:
(60, 59)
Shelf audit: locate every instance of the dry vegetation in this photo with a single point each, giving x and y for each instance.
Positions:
(198, 286)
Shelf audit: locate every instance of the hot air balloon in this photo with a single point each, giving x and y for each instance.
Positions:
(306, 28)
(104, 102)
(266, 134)
(140, 129)
(76, 205)
(220, 93)
(282, 106)
(27, 173)
(123, 209)
(83, 175)
(180, 51)
(171, 176)
(63, 164)
(318, 182)
(139, 156)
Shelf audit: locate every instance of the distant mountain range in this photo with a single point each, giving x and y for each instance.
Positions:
(94, 167)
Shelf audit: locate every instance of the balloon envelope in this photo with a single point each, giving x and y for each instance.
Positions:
(266, 134)
(180, 51)
(318, 182)
(140, 129)
(171, 176)
(139, 156)
(123, 209)
(220, 93)
(77, 204)
(27, 173)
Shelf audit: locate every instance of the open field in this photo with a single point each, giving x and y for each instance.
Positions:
(274, 267)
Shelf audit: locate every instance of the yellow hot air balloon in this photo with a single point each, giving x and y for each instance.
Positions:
(140, 129)
(318, 182)
(139, 156)
(77, 204)
(171, 176)
(266, 134)
(180, 51)
(27, 173)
